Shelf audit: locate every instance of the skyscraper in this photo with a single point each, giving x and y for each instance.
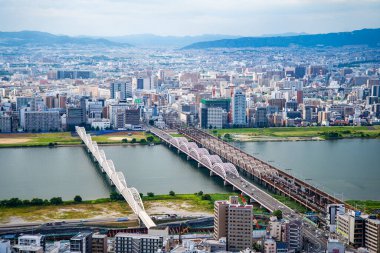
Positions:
(121, 90)
(239, 108)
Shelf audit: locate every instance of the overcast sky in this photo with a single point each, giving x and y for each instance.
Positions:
(188, 17)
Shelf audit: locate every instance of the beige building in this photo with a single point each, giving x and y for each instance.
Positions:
(351, 226)
(99, 243)
(372, 235)
(235, 222)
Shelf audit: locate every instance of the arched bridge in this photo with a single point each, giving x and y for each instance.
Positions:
(130, 194)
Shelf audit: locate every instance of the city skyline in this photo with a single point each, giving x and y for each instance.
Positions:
(180, 18)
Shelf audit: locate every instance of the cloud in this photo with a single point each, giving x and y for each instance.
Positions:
(187, 17)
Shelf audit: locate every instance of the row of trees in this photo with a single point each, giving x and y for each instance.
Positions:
(16, 202)
(143, 141)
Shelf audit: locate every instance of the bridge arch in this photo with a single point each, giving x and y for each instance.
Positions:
(198, 152)
(225, 168)
(210, 160)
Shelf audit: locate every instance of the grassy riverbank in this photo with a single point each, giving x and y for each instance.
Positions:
(367, 206)
(182, 204)
(66, 138)
(292, 133)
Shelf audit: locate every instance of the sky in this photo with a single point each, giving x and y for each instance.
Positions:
(188, 17)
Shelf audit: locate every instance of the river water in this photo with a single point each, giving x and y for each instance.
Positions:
(351, 167)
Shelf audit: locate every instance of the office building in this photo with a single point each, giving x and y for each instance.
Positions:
(135, 243)
(132, 117)
(99, 243)
(239, 108)
(215, 117)
(74, 117)
(206, 104)
(372, 234)
(235, 222)
(261, 119)
(82, 242)
(121, 90)
(351, 226)
(42, 121)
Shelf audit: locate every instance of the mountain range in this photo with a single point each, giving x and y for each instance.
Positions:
(370, 37)
(34, 38)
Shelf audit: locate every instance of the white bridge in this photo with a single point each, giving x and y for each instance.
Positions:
(227, 171)
(130, 194)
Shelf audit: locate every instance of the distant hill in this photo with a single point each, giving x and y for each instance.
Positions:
(156, 41)
(35, 38)
(370, 37)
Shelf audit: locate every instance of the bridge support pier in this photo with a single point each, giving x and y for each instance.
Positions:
(234, 188)
(178, 151)
(188, 158)
(199, 165)
(211, 173)
(225, 183)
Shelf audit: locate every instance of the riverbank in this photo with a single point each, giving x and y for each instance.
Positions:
(296, 133)
(67, 139)
(180, 204)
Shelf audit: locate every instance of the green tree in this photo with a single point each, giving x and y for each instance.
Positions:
(142, 141)
(124, 140)
(77, 199)
(56, 201)
(13, 202)
(150, 194)
(227, 136)
(150, 138)
(115, 196)
(200, 193)
(278, 214)
(26, 202)
(133, 140)
(172, 193)
(37, 202)
(141, 194)
(206, 197)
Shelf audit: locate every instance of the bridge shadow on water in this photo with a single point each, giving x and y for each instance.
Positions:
(105, 180)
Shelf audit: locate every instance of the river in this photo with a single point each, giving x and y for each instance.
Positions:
(351, 167)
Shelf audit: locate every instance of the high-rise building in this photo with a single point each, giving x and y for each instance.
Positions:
(235, 222)
(121, 90)
(135, 243)
(81, 243)
(351, 226)
(372, 234)
(239, 108)
(99, 243)
(299, 96)
(220, 114)
(261, 119)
